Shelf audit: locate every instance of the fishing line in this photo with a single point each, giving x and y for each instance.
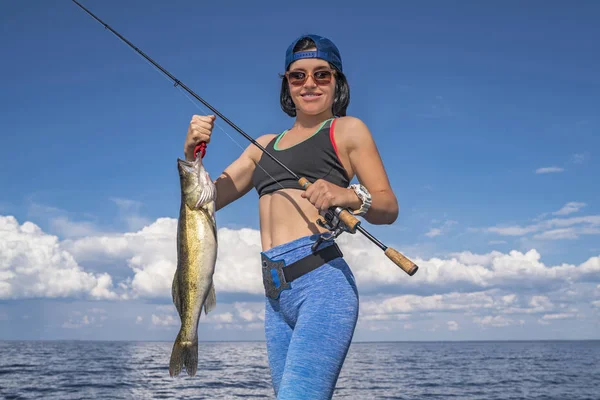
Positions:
(187, 96)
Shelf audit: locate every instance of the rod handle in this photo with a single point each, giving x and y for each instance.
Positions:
(400, 260)
(345, 216)
(349, 219)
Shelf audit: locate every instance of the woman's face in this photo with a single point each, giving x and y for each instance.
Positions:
(312, 85)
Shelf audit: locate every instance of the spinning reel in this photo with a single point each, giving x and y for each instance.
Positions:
(332, 222)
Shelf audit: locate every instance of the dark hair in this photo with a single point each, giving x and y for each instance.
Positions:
(341, 98)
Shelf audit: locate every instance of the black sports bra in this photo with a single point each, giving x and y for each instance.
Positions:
(314, 158)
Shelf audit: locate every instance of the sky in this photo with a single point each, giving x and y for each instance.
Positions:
(486, 118)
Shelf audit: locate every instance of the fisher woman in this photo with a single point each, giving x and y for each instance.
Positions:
(311, 299)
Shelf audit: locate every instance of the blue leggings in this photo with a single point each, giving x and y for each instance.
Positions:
(310, 327)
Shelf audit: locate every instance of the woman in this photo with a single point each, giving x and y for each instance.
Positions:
(312, 303)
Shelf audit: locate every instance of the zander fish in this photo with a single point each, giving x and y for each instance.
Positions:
(193, 287)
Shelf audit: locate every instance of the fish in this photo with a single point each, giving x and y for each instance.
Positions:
(193, 287)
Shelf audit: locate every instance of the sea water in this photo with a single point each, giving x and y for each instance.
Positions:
(565, 370)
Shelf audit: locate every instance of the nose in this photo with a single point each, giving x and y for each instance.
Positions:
(310, 81)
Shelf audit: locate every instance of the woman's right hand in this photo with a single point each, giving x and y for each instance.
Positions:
(199, 131)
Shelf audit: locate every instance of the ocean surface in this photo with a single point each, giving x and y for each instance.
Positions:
(565, 370)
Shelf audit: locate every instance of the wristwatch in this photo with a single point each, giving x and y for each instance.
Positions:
(364, 196)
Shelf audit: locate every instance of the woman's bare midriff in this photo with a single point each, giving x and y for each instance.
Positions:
(285, 216)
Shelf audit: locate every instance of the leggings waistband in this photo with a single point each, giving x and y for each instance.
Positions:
(296, 249)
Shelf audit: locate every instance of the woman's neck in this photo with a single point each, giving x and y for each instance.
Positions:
(304, 121)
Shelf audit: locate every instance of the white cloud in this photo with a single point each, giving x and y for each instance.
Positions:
(512, 230)
(33, 264)
(547, 319)
(165, 320)
(555, 228)
(236, 316)
(67, 228)
(496, 321)
(570, 208)
(593, 220)
(406, 304)
(250, 312)
(547, 170)
(495, 269)
(224, 317)
(489, 308)
(37, 264)
(556, 234)
(94, 317)
(433, 232)
(558, 316)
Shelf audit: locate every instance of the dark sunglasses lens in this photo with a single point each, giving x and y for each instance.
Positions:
(323, 76)
(296, 77)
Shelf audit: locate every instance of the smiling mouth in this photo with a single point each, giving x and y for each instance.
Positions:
(310, 95)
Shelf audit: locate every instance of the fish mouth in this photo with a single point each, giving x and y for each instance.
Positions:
(197, 187)
(189, 167)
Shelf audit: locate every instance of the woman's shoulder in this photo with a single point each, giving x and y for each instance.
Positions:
(351, 130)
(264, 140)
(349, 120)
(350, 123)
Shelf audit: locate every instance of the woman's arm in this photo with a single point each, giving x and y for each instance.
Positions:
(358, 144)
(236, 180)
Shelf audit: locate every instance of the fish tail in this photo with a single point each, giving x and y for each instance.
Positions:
(184, 354)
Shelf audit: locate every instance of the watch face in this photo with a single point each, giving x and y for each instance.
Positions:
(364, 191)
(361, 191)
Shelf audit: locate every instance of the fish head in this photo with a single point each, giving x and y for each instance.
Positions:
(197, 188)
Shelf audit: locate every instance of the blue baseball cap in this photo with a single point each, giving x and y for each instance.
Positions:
(326, 50)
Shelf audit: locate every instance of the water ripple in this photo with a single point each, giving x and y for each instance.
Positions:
(465, 370)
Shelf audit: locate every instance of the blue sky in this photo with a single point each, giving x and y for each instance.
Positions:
(486, 119)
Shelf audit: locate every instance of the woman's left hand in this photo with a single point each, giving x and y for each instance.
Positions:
(323, 195)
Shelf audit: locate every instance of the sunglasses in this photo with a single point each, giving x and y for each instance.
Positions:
(297, 78)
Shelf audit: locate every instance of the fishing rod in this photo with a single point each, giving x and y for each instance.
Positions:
(351, 222)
